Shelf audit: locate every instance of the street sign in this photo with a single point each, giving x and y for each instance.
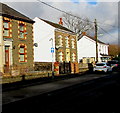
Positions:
(52, 50)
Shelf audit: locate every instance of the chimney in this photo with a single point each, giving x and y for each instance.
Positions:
(83, 33)
(61, 22)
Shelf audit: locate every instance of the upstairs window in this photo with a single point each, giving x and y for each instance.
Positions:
(21, 31)
(73, 43)
(6, 26)
(60, 41)
(67, 42)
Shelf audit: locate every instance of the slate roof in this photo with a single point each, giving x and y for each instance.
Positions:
(56, 25)
(92, 39)
(95, 39)
(9, 12)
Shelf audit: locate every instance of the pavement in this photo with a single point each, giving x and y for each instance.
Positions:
(36, 90)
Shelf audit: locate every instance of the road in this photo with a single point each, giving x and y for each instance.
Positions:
(90, 92)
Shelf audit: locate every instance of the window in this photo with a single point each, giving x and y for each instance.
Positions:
(73, 57)
(6, 29)
(60, 41)
(67, 42)
(6, 33)
(22, 31)
(6, 24)
(88, 60)
(22, 54)
(73, 43)
(60, 57)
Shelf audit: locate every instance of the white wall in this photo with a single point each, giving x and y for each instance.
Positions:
(43, 32)
(103, 49)
(86, 48)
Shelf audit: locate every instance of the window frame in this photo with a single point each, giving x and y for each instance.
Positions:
(22, 53)
(73, 57)
(67, 42)
(60, 41)
(73, 43)
(6, 29)
(22, 31)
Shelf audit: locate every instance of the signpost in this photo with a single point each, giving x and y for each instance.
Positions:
(52, 51)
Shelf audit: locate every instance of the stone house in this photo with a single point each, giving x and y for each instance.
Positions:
(87, 49)
(55, 43)
(16, 40)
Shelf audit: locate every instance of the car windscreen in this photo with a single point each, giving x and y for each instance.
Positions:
(100, 64)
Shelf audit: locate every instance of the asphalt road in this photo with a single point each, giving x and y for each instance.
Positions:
(99, 94)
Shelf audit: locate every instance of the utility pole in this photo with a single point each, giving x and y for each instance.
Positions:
(96, 40)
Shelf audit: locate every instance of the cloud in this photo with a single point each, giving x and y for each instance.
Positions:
(110, 38)
(106, 13)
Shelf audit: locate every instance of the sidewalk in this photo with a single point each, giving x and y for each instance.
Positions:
(27, 92)
(36, 80)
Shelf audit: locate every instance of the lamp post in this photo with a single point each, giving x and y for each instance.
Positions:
(52, 51)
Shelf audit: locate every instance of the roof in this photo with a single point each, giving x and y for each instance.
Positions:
(9, 12)
(93, 38)
(105, 55)
(56, 25)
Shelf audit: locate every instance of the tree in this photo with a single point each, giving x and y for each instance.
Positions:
(114, 50)
(77, 24)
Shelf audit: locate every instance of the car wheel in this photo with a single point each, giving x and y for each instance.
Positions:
(106, 71)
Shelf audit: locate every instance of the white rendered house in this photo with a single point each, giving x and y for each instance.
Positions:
(87, 50)
(51, 35)
(43, 32)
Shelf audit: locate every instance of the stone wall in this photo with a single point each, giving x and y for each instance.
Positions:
(43, 66)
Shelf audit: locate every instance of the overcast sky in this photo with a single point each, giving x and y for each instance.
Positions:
(105, 12)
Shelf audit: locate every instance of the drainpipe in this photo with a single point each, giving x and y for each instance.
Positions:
(1, 45)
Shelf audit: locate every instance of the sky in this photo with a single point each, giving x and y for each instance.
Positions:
(105, 12)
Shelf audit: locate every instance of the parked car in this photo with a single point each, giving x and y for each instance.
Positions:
(114, 64)
(103, 66)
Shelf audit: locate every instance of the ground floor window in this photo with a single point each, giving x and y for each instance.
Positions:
(22, 53)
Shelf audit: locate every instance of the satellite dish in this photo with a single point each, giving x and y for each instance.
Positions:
(36, 44)
(57, 47)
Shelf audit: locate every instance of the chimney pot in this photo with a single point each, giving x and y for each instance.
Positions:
(61, 22)
(84, 33)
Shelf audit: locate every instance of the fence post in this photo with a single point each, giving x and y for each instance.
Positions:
(48, 75)
(23, 77)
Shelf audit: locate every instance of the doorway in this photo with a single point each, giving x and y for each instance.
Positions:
(7, 58)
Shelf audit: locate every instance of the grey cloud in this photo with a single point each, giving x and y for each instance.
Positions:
(105, 12)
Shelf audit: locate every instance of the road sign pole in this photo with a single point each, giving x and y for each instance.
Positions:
(52, 51)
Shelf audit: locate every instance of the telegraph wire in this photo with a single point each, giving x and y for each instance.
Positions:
(105, 31)
(62, 10)
(76, 16)
(103, 24)
(69, 13)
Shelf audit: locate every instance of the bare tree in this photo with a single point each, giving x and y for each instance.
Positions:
(77, 24)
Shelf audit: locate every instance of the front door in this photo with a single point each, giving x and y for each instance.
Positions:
(67, 55)
(7, 58)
